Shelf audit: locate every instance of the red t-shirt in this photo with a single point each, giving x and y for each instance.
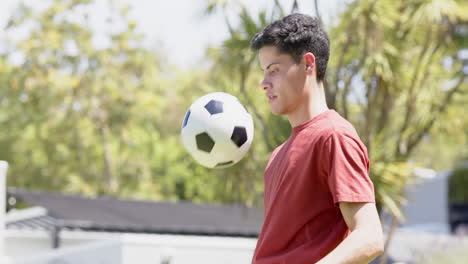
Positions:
(322, 163)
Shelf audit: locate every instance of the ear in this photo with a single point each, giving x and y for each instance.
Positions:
(309, 59)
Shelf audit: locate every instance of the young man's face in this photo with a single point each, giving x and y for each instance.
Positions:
(283, 80)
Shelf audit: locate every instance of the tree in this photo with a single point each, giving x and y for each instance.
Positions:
(394, 72)
(76, 115)
(396, 52)
(100, 120)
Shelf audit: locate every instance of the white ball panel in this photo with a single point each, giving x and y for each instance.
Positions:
(220, 127)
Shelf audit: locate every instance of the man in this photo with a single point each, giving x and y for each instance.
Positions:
(319, 200)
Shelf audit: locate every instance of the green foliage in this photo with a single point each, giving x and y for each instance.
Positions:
(446, 145)
(79, 118)
(106, 120)
(386, 75)
(458, 185)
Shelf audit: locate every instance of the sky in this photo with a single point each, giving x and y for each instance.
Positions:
(179, 28)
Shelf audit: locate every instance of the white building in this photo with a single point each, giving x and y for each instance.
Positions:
(109, 230)
(73, 229)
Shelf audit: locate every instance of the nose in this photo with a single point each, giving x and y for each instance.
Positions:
(265, 84)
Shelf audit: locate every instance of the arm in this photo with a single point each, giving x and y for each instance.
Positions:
(365, 242)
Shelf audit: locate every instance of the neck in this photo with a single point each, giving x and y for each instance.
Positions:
(313, 104)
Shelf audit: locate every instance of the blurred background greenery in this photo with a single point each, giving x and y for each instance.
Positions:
(78, 118)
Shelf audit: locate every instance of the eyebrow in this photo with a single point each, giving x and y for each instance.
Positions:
(271, 64)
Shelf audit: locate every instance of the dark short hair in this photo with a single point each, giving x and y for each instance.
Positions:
(296, 34)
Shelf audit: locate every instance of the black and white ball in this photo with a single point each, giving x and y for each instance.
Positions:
(217, 130)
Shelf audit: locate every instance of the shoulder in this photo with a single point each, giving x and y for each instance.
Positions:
(334, 126)
(278, 149)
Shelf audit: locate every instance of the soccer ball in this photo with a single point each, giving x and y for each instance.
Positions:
(217, 130)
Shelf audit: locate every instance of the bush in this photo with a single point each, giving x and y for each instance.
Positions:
(458, 185)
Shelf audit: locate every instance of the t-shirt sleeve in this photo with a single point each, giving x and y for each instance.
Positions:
(347, 169)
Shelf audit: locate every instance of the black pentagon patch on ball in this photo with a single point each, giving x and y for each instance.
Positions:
(187, 115)
(214, 107)
(222, 164)
(204, 142)
(239, 136)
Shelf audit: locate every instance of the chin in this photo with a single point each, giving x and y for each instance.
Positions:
(276, 112)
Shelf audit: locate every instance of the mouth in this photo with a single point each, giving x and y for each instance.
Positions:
(271, 98)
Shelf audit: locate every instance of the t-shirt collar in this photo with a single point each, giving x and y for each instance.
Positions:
(316, 118)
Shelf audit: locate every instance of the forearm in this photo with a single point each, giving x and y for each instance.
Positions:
(359, 247)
